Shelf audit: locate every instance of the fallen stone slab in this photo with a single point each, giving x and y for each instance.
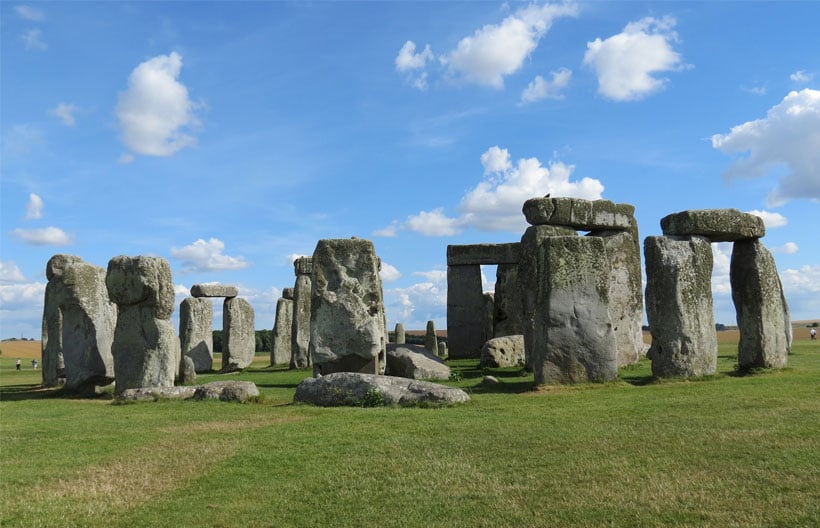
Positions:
(353, 389)
(585, 215)
(415, 362)
(214, 290)
(718, 225)
(237, 391)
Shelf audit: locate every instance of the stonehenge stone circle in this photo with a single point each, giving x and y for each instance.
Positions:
(214, 290)
(356, 389)
(507, 351)
(347, 322)
(430, 339)
(718, 225)
(78, 325)
(145, 346)
(400, 337)
(196, 332)
(239, 334)
(300, 331)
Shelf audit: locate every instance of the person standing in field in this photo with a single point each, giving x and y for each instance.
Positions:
(18, 364)
(813, 334)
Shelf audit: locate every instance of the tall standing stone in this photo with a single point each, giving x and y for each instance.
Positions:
(347, 324)
(196, 332)
(79, 320)
(300, 331)
(465, 311)
(282, 330)
(762, 314)
(400, 337)
(145, 347)
(507, 309)
(430, 339)
(679, 306)
(239, 334)
(489, 310)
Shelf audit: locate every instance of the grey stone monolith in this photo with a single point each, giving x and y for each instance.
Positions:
(239, 334)
(430, 339)
(489, 310)
(399, 332)
(187, 370)
(718, 225)
(196, 332)
(572, 337)
(442, 350)
(79, 322)
(679, 306)
(282, 331)
(586, 215)
(465, 309)
(347, 322)
(762, 313)
(146, 349)
(300, 331)
(507, 310)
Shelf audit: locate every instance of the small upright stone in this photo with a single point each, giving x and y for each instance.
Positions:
(187, 371)
(196, 332)
(442, 350)
(400, 337)
(214, 290)
(282, 331)
(239, 334)
(430, 339)
(718, 225)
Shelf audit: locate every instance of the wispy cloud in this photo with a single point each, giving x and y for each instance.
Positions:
(34, 207)
(33, 40)
(46, 236)
(30, 13)
(207, 256)
(65, 113)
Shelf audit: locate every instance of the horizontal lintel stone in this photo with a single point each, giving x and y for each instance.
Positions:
(585, 215)
(214, 290)
(718, 225)
(478, 254)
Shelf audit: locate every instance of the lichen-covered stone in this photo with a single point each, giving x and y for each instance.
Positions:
(399, 333)
(577, 213)
(282, 332)
(144, 349)
(141, 281)
(300, 331)
(196, 332)
(239, 334)
(357, 390)
(679, 306)
(718, 225)
(214, 290)
(303, 266)
(347, 321)
(465, 309)
(507, 351)
(762, 313)
(415, 362)
(287, 293)
(478, 254)
(508, 311)
(187, 370)
(430, 339)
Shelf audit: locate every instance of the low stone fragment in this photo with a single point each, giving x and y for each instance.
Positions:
(415, 362)
(502, 352)
(187, 371)
(718, 225)
(233, 391)
(214, 290)
(356, 390)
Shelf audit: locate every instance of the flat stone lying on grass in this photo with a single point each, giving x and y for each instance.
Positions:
(238, 391)
(415, 362)
(356, 390)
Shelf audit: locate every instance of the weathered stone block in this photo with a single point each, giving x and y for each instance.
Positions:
(239, 334)
(287, 293)
(415, 362)
(679, 306)
(303, 266)
(141, 281)
(282, 332)
(430, 339)
(214, 290)
(356, 389)
(144, 349)
(505, 351)
(399, 332)
(196, 332)
(762, 312)
(465, 311)
(300, 329)
(718, 225)
(478, 254)
(577, 213)
(508, 311)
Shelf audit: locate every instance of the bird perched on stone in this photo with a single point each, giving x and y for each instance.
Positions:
(547, 195)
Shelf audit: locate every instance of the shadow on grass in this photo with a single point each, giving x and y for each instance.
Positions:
(39, 392)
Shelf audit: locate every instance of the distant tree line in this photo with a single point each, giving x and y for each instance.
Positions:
(264, 340)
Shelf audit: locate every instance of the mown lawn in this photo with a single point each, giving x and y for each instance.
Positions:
(723, 451)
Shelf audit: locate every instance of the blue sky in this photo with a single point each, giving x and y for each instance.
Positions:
(228, 137)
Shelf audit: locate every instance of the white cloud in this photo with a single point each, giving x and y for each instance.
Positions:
(499, 50)
(10, 273)
(207, 256)
(33, 40)
(387, 232)
(155, 111)
(65, 112)
(800, 76)
(627, 62)
(389, 273)
(757, 90)
(540, 89)
(496, 160)
(47, 236)
(770, 220)
(413, 306)
(787, 137)
(29, 13)
(806, 279)
(22, 296)
(408, 59)
(789, 248)
(433, 223)
(34, 207)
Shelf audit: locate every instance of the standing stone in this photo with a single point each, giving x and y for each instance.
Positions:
(347, 323)
(762, 314)
(282, 331)
(572, 338)
(430, 339)
(507, 310)
(465, 310)
(400, 337)
(196, 332)
(187, 371)
(442, 350)
(300, 331)
(239, 334)
(679, 306)
(489, 310)
(145, 347)
(79, 320)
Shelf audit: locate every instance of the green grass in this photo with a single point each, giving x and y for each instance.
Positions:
(723, 451)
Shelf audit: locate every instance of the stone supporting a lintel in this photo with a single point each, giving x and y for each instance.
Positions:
(196, 332)
(281, 348)
(465, 311)
(300, 330)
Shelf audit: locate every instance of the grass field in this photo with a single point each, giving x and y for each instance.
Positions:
(723, 451)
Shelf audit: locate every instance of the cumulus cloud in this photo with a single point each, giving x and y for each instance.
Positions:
(387, 232)
(421, 302)
(155, 112)
(34, 207)
(789, 248)
(802, 288)
(33, 40)
(787, 138)
(800, 76)
(65, 113)
(626, 63)
(10, 273)
(540, 88)
(25, 296)
(434, 223)
(389, 273)
(207, 256)
(46, 236)
(770, 220)
(30, 13)
(413, 64)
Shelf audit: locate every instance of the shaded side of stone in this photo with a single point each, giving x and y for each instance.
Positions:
(282, 333)
(239, 334)
(399, 332)
(196, 332)
(718, 225)
(465, 311)
(144, 349)
(507, 307)
(300, 331)
(479, 254)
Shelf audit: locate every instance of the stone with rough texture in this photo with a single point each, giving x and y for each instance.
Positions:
(442, 350)
(196, 332)
(505, 351)
(400, 337)
(762, 313)
(300, 331)
(347, 320)
(577, 213)
(287, 293)
(187, 370)
(280, 353)
(430, 339)
(236, 391)
(78, 325)
(465, 310)
(146, 349)
(214, 290)
(572, 337)
(718, 225)
(478, 254)
(415, 362)
(507, 309)
(356, 389)
(239, 334)
(487, 317)
(679, 306)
